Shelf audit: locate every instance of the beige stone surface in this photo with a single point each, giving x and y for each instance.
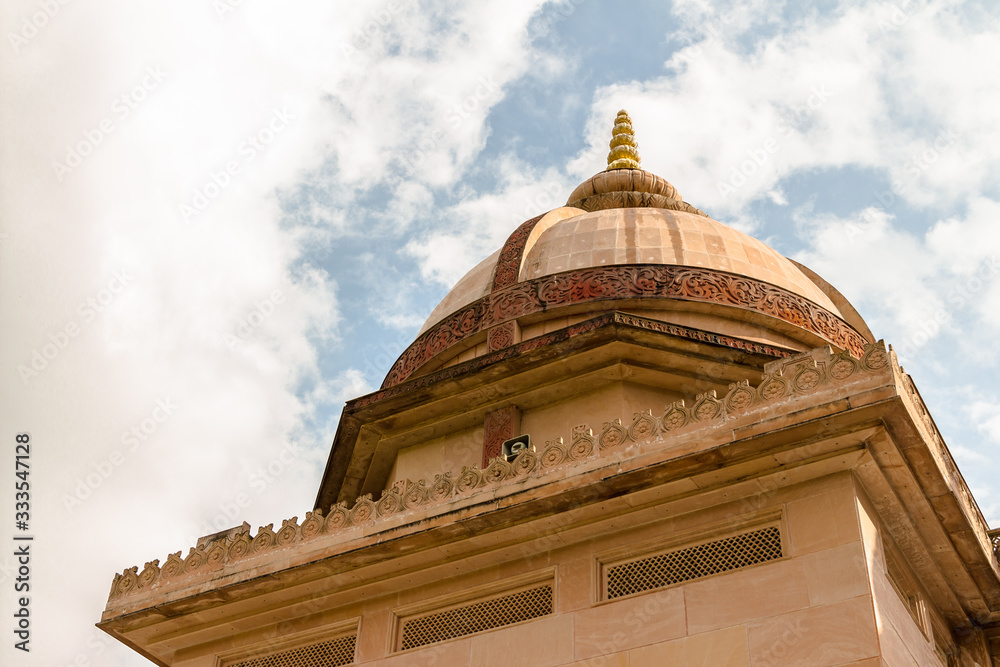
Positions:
(722, 648)
(629, 623)
(828, 635)
(575, 582)
(447, 453)
(611, 660)
(756, 592)
(456, 653)
(836, 574)
(608, 402)
(540, 643)
(823, 521)
(373, 635)
(895, 652)
(901, 638)
(203, 661)
(898, 632)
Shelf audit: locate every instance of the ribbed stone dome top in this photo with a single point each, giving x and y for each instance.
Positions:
(570, 238)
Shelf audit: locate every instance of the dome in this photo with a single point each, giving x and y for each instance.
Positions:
(627, 241)
(570, 238)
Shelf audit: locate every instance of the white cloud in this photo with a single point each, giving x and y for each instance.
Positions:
(252, 103)
(479, 225)
(838, 90)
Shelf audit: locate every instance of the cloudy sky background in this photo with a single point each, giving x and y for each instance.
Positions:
(219, 219)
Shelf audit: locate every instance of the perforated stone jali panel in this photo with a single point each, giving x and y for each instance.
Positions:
(671, 567)
(332, 653)
(476, 617)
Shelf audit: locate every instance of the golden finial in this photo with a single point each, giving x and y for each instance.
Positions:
(624, 151)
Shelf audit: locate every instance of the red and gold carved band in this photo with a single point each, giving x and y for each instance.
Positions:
(498, 426)
(624, 281)
(508, 266)
(556, 337)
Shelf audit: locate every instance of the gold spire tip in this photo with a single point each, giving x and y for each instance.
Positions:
(624, 151)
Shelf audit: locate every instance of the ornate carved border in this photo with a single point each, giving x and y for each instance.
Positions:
(502, 335)
(499, 425)
(623, 281)
(509, 262)
(561, 335)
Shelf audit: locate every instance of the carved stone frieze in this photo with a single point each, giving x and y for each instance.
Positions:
(498, 426)
(562, 334)
(624, 281)
(783, 379)
(503, 335)
(508, 266)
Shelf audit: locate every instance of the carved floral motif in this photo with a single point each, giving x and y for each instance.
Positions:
(624, 281)
(501, 336)
(498, 426)
(509, 262)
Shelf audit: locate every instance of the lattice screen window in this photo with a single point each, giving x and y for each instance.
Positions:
(473, 617)
(692, 562)
(332, 653)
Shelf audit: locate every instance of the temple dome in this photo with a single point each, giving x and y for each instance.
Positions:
(570, 238)
(626, 240)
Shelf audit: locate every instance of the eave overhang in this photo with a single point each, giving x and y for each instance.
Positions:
(560, 363)
(823, 419)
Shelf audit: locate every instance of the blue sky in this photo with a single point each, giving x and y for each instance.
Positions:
(244, 211)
